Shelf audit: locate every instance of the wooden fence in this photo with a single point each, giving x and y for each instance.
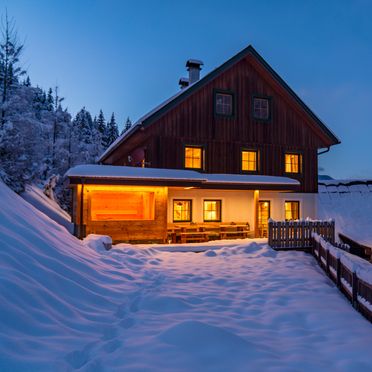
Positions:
(347, 273)
(298, 234)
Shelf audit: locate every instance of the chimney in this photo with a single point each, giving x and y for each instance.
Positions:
(183, 82)
(194, 67)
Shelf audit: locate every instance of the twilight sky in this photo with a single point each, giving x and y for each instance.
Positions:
(127, 56)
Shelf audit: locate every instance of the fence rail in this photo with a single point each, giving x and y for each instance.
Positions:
(352, 277)
(298, 234)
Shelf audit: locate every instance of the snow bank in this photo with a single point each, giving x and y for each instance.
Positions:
(70, 305)
(35, 196)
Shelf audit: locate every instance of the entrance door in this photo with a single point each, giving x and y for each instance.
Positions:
(263, 217)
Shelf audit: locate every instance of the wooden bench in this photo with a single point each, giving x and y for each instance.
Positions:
(194, 236)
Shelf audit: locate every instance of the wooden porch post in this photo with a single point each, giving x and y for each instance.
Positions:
(256, 197)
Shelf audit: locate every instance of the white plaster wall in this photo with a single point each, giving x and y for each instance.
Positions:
(308, 204)
(236, 206)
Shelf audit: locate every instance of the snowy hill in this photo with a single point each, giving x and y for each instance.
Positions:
(65, 305)
(349, 202)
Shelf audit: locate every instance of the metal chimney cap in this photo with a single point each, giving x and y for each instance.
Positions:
(194, 63)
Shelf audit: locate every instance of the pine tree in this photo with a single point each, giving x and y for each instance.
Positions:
(112, 131)
(27, 82)
(50, 100)
(10, 71)
(101, 126)
(128, 125)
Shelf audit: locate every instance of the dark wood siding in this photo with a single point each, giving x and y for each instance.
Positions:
(193, 122)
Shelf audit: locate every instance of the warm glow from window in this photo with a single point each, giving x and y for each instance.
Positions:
(181, 210)
(249, 161)
(292, 210)
(293, 163)
(122, 205)
(193, 157)
(212, 210)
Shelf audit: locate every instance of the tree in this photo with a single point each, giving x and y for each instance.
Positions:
(50, 100)
(112, 131)
(10, 52)
(127, 126)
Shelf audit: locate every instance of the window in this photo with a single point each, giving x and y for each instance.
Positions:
(182, 210)
(212, 210)
(122, 205)
(250, 160)
(224, 104)
(261, 108)
(193, 157)
(293, 163)
(292, 210)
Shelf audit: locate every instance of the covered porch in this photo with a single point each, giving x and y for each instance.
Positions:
(141, 205)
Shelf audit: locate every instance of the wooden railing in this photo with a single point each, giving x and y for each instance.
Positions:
(351, 274)
(298, 234)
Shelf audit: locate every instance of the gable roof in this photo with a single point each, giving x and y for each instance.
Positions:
(168, 104)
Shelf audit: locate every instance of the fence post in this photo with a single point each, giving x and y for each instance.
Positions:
(338, 270)
(327, 261)
(355, 290)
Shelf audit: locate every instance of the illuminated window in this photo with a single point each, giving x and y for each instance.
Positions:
(121, 205)
(250, 160)
(181, 210)
(292, 210)
(261, 108)
(212, 210)
(193, 157)
(293, 163)
(224, 104)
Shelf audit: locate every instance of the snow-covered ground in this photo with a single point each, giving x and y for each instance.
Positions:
(237, 306)
(350, 205)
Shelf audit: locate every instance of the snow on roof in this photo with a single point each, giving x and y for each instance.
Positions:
(122, 172)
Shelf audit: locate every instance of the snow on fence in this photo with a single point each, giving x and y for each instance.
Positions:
(352, 274)
(298, 234)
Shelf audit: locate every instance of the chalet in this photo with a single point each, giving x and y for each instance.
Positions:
(216, 160)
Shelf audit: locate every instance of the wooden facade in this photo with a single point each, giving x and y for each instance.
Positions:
(190, 119)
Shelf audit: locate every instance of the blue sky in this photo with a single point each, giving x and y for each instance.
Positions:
(127, 56)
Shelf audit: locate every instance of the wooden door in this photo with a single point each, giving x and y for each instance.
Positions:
(263, 218)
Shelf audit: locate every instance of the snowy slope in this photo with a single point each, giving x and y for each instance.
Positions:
(35, 196)
(66, 306)
(349, 203)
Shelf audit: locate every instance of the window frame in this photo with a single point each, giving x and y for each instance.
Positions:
(298, 209)
(181, 200)
(220, 209)
(258, 159)
(300, 162)
(269, 99)
(233, 108)
(202, 168)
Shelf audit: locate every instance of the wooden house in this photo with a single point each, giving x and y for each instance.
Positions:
(232, 148)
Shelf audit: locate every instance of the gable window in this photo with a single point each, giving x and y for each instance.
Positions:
(292, 210)
(224, 104)
(250, 159)
(193, 157)
(212, 210)
(182, 210)
(261, 108)
(293, 163)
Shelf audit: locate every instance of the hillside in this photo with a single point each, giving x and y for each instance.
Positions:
(70, 305)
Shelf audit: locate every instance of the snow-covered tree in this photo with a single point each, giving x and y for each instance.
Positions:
(112, 131)
(127, 126)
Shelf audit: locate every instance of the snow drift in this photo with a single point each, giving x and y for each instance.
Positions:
(71, 305)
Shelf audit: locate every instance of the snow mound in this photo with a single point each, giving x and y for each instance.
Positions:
(35, 196)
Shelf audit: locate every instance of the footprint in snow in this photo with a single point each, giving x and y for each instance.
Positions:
(127, 323)
(79, 358)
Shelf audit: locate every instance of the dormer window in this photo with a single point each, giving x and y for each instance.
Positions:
(293, 163)
(261, 108)
(223, 104)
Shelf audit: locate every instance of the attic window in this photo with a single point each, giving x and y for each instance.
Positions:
(261, 108)
(223, 104)
(194, 157)
(293, 163)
